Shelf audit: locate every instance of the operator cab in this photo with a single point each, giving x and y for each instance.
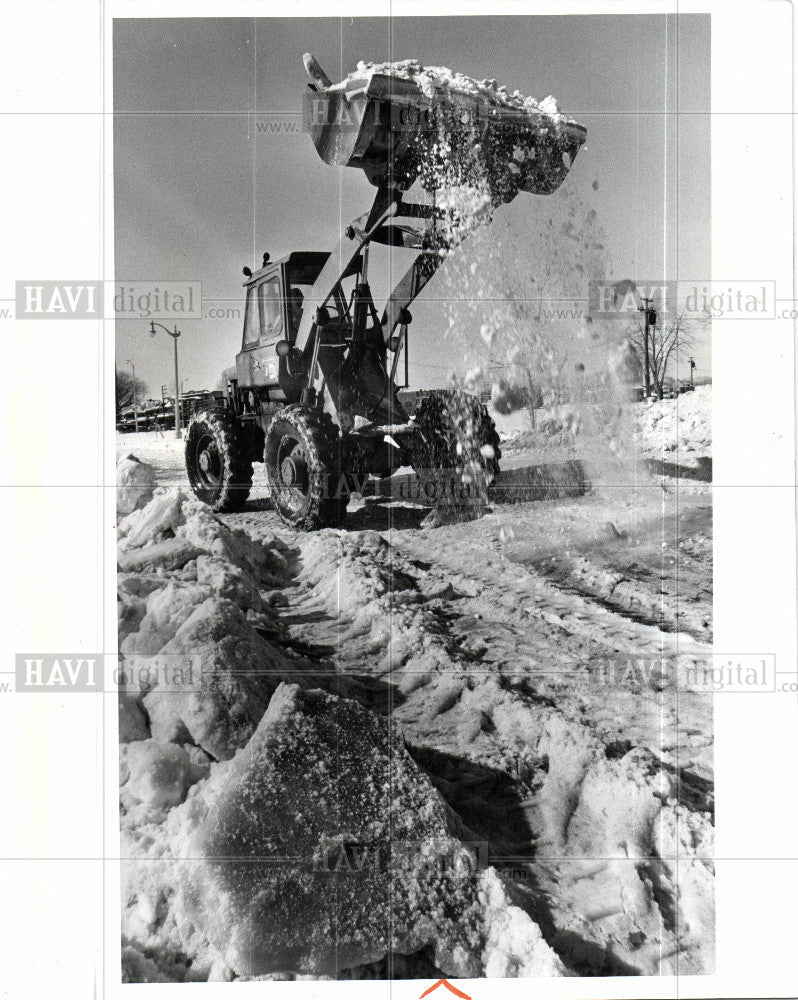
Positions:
(276, 296)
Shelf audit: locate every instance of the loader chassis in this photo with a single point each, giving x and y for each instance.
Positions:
(313, 393)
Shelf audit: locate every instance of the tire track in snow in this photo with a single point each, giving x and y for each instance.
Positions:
(472, 663)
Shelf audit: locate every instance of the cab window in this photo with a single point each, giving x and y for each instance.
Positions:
(264, 321)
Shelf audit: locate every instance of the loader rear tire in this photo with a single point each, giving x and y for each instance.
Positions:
(303, 466)
(217, 460)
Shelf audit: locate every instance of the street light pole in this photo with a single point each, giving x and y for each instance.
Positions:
(174, 335)
(177, 389)
(649, 320)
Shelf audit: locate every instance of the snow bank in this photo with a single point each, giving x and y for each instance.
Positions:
(626, 836)
(270, 830)
(320, 847)
(683, 423)
(160, 943)
(192, 624)
(195, 679)
(194, 683)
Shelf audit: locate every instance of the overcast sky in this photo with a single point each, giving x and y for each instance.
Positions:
(199, 191)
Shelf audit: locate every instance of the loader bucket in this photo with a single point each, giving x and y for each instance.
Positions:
(389, 128)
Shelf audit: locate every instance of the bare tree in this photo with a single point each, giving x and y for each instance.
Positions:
(128, 389)
(665, 341)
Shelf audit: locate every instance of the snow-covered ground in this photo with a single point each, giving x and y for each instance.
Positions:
(160, 449)
(467, 750)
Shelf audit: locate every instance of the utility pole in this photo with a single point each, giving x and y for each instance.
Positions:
(174, 335)
(135, 397)
(649, 322)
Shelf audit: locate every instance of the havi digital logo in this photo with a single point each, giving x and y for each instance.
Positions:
(60, 672)
(59, 300)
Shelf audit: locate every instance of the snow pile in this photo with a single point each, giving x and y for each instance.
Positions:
(271, 829)
(194, 604)
(194, 616)
(160, 943)
(135, 484)
(320, 846)
(351, 572)
(435, 81)
(328, 847)
(514, 946)
(158, 774)
(682, 424)
(623, 834)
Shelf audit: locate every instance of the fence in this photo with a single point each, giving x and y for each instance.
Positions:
(159, 414)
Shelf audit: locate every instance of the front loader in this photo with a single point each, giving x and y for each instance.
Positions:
(313, 393)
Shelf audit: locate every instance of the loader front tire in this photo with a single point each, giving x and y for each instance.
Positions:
(303, 467)
(217, 461)
(456, 432)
